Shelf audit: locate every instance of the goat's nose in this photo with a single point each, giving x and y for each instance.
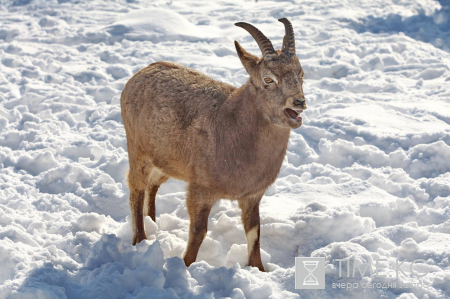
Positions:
(299, 102)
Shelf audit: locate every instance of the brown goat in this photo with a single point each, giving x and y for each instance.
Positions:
(225, 142)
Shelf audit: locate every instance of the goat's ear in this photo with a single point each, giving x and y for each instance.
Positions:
(248, 60)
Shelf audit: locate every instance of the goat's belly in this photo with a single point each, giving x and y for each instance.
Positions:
(171, 164)
(226, 184)
(246, 183)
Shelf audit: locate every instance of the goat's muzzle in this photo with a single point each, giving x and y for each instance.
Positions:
(294, 113)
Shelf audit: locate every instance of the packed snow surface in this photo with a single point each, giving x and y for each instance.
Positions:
(366, 177)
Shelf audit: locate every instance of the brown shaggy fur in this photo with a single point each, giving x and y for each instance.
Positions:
(226, 142)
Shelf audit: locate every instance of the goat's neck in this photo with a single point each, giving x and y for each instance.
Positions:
(245, 124)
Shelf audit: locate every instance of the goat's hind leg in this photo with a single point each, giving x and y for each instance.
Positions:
(137, 178)
(155, 179)
(136, 204)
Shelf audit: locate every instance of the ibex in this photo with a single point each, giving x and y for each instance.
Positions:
(225, 142)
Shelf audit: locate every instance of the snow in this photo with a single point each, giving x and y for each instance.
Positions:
(366, 177)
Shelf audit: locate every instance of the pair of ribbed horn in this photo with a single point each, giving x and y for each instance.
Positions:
(266, 45)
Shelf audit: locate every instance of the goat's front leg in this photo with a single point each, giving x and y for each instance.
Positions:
(199, 203)
(250, 219)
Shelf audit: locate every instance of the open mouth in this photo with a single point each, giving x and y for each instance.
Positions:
(294, 114)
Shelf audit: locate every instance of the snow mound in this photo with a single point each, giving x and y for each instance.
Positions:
(151, 24)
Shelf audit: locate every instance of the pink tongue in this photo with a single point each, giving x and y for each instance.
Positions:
(299, 117)
(292, 113)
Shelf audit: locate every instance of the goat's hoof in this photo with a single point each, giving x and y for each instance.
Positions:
(187, 263)
(137, 239)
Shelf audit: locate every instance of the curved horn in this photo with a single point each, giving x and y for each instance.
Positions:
(289, 39)
(265, 45)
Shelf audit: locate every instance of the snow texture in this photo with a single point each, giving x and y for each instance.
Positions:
(367, 176)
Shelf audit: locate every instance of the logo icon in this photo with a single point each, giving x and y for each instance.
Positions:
(310, 273)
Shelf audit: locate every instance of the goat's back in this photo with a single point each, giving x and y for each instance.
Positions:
(164, 107)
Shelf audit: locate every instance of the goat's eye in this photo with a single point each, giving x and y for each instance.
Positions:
(301, 77)
(268, 80)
